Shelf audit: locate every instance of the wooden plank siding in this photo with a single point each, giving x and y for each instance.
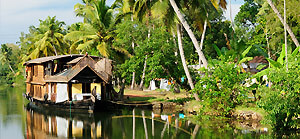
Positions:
(38, 74)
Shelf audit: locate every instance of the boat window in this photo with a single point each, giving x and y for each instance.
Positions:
(48, 69)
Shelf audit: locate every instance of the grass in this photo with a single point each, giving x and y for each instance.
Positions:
(141, 98)
(155, 95)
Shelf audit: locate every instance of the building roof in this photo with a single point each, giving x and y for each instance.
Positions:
(50, 58)
(74, 61)
(82, 63)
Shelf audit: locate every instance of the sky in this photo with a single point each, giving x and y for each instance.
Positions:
(17, 15)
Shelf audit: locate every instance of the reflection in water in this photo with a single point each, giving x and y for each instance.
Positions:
(124, 123)
(17, 122)
(44, 124)
(130, 124)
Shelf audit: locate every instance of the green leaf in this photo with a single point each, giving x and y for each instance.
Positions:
(217, 50)
(246, 51)
(245, 59)
(282, 55)
(274, 64)
(295, 52)
(261, 66)
(262, 73)
(85, 45)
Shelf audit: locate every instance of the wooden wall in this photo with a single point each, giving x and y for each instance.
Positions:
(35, 85)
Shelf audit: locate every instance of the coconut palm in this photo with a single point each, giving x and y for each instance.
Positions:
(125, 8)
(48, 38)
(292, 35)
(189, 31)
(93, 35)
(142, 9)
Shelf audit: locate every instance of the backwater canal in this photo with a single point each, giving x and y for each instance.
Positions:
(18, 121)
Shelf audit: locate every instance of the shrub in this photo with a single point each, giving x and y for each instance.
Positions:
(221, 89)
(282, 100)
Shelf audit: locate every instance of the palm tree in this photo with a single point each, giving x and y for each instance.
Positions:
(94, 33)
(181, 18)
(292, 35)
(186, 70)
(189, 31)
(142, 9)
(125, 8)
(47, 38)
(285, 41)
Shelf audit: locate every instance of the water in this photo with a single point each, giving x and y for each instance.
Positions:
(18, 121)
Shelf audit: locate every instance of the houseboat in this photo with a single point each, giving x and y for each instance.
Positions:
(74, 82)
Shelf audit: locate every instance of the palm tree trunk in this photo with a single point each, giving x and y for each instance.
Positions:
(202, 38)
(287, 26)
(186, 70)
(230, 13)
(174, 40)
(285, 41)
(189, 31)
(133, 73)
(144, 70)
(133, 81)
(195, 131)
(145, 65)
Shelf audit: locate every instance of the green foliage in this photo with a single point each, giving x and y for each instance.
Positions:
(282, 100)
(95, 34)
(246, 17)
(234, 54)
(269, 23)
(221, 88)
(215, 35)
(10, 61)
(159, 49)
(44, 40)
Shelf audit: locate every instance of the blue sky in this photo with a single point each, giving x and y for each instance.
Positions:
(17, 15)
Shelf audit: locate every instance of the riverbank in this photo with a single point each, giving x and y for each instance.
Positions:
(247, 117)
(166, 101)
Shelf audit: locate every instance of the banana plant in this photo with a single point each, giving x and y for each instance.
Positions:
(230, 55)
(279, 63)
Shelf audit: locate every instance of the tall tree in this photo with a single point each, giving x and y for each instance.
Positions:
(93, 35)
(125, 8)
(187, 73)
(48, 38)
(142, 9)
(181, 18)
(285, 24)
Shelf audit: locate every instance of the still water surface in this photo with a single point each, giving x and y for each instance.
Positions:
(17, 121)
